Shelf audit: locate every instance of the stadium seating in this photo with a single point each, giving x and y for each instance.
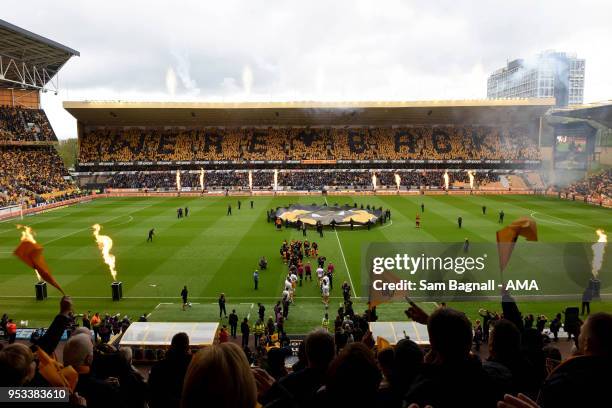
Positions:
(30, 169)
(596, 187)
(30, 172)
(418, 142)
(534, 180)
(516, 182)
(300, 180)
(344, 366)
(25, 125)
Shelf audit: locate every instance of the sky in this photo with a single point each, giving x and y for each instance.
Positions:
(309, 50)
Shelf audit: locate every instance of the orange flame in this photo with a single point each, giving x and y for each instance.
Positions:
(398, 180)
(27, 234)
(599, 249)
(105, 244)
(602, 236)
(446, 180)
(471, 176)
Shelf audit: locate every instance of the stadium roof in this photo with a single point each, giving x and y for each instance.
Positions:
(488, 111)
(599, 112)
(28, 59)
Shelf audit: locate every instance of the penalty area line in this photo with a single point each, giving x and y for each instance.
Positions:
(564, 222)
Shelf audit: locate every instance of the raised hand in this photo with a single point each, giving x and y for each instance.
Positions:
(417, 314)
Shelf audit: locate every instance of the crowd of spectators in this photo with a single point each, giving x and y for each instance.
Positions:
(418, 142)
(25, 125)
(343, 367)
(296, 180)
(596, 187)
(317, 180)
(29, 172)
(211, 179)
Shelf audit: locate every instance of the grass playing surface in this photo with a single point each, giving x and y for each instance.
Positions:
(212, 253)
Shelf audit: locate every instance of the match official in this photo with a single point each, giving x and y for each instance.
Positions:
(222, 305)
(184, 295)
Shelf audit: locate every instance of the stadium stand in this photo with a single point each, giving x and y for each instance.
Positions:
(31, 173)
(346, 368)
(596, 187)
(30, 167)
(534, 180)
(273, 144)
(302, 180)
(25, 125)
(517, 182)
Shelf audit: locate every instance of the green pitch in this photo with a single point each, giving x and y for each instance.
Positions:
(211, 253)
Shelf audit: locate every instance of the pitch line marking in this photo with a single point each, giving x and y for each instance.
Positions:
(23, 221)
(565, 224)
(131, 218)
(343, 258)
(386, 225)
(86, 228)
(17, 218)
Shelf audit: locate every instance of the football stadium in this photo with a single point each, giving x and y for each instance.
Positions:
(301, 253)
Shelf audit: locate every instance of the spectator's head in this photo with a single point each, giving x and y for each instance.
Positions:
(126, 355)
(219, 376)
(78, 351)
(17, 365)
(385, 359)
(82, 330)
(504, 341)
(353, 377)
(596, 335)
(320, 349)
(407, 363)
(450, 335)
(552, 352)
(180, 343)
(276, 362)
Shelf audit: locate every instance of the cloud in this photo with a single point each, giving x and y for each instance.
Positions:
(316, 50)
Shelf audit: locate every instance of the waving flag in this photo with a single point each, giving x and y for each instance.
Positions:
(506, 238)
(31, 254)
